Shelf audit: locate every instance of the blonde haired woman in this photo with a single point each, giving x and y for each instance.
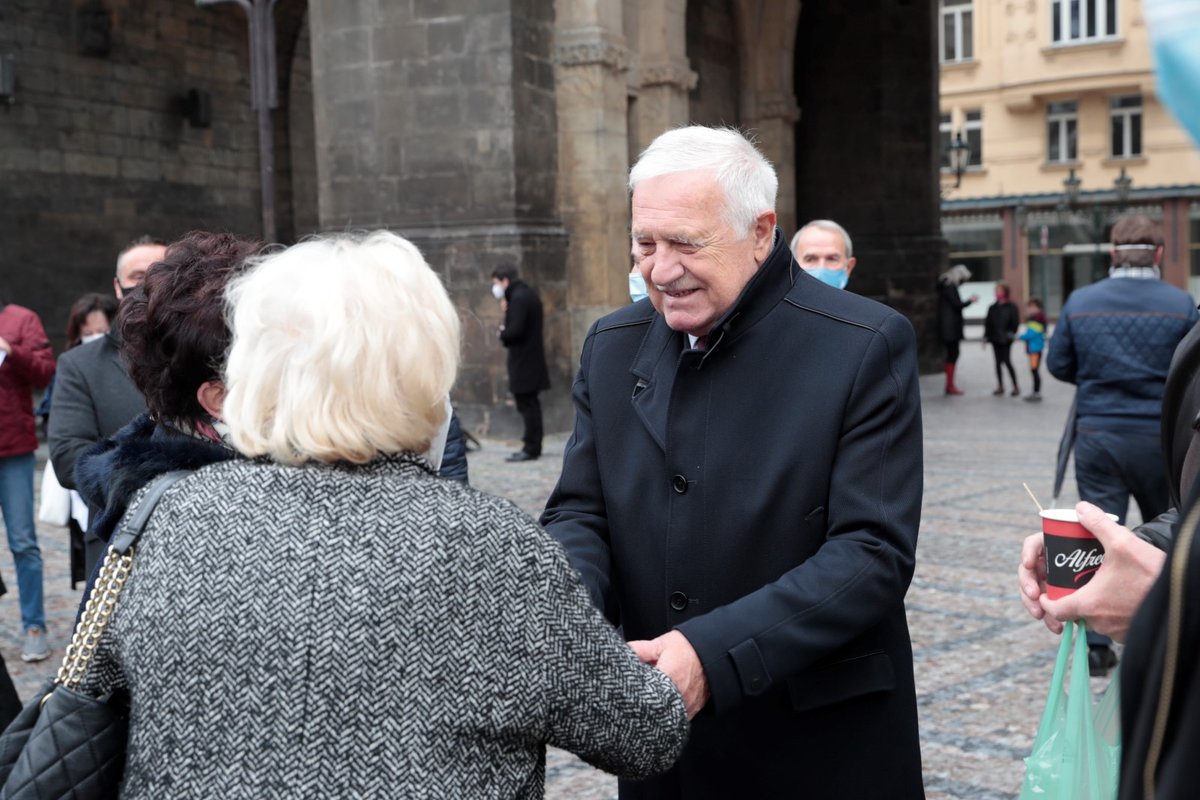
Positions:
(328, 619)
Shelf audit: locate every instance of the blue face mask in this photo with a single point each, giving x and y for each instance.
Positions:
(837, 278)
(637, 286)
(1174, 28)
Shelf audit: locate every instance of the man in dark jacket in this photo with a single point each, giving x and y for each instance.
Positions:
(1114, 341)
(93, 395)
(742, 490)
(26, 363)
(521, 335)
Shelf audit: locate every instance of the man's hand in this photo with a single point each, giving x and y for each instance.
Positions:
(5, 347)
(673, 654)
(1107, 603)
(1031, 575)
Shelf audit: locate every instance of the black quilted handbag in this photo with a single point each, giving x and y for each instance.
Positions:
(66, 745)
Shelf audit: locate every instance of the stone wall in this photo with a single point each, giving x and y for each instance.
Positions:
(437, 120)
(713, 54)
(94, 150)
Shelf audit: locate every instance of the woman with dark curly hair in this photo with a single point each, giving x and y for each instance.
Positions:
(174, 338)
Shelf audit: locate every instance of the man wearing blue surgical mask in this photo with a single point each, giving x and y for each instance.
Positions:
(824, 251)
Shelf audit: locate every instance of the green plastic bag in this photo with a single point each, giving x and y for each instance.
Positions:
(1077, 752)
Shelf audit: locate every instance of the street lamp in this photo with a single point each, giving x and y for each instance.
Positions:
(960, 152)
(1071, 185)
(1122, 183)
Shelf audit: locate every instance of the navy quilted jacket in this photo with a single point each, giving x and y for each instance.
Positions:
(1114, 341)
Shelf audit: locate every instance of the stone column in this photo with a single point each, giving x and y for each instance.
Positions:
(1016, 258)
(767, 35)
(590, 65)
(436, 120)
(664, 76)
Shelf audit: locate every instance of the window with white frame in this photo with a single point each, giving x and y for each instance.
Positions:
(1125, 114)
(945, 138)
(1062, 120)
(973, 134)
(1082, 20)
(956, 31)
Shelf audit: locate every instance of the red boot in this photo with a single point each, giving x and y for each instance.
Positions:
(950, 387)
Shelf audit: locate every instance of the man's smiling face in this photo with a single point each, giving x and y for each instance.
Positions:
(694, 263)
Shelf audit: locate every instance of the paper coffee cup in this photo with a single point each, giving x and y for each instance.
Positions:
(1072, 553)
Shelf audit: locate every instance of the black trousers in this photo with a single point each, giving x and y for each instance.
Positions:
(530, 409)
(1003, 354)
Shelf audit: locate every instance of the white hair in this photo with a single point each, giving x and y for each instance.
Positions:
(344, 349)
(826, 225)
(744, 174)
(957, 275)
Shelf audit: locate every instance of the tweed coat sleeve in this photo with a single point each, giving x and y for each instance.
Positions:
(576, 507)
(604, 705)
(74, 424)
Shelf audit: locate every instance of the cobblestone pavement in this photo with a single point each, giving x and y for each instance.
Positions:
(982, 666)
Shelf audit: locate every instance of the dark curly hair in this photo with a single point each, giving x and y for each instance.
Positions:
(83, 307)
(173, 329)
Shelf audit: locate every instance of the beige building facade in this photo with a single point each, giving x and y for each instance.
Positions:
(1052, 105)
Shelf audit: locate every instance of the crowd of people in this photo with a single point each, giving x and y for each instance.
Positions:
(706, 608)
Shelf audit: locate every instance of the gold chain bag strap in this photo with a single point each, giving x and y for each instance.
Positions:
(66, 743)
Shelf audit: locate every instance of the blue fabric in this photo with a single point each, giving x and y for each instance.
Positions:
(1034, 335)
(1112, 465)
(1114, 341)
(16, 503)
(454, 454)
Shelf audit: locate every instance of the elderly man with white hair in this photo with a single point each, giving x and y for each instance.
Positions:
(825, 251)
(742, 490)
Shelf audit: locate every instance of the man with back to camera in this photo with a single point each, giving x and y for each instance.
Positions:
(745, 502)
(1114, 340)
(824, 251)
(93, 395)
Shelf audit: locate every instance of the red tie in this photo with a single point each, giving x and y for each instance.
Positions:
(701, 343)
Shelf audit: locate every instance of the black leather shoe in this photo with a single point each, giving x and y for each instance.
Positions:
(1101, 659)
(520, 455)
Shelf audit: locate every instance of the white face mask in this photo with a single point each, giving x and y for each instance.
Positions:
(497, 291)
(438, 445)
(91, 337)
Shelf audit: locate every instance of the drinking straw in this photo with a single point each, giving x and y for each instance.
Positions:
(1033, 497)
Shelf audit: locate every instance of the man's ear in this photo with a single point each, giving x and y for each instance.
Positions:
(850, 265)
(763, 233)
(1158, 255)
(211, 396)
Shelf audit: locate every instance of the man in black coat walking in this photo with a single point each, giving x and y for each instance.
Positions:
(521, 335)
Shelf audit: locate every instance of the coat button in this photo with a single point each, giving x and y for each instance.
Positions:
(679, 601)
(679, 484)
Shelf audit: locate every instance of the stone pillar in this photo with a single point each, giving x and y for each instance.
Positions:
(591, 62)
(866, 147)
(434, 119)
(1016, 258)
(664, 76)
(1176, 264)
(767, 35)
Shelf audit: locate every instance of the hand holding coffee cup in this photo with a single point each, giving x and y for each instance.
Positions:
(1111, 593)
(1073, 553)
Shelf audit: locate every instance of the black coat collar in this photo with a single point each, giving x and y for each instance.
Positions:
(662, 350)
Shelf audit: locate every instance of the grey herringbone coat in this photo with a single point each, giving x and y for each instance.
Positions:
(366, 632)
